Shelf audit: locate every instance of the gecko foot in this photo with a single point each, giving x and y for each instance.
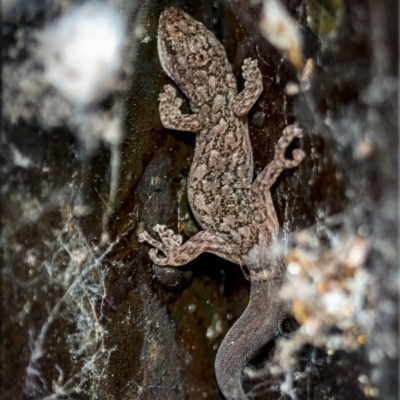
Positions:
(252, 88)
(169, 103)
(288, 134)
(251, 72)
(169, 244)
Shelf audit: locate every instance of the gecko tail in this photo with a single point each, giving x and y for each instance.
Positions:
(257, 326)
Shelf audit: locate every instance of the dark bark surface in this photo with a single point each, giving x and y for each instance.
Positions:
(84, 317)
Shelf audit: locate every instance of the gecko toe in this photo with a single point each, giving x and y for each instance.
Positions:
(170, 91)
(298, 133)
(169, 233)
(177, 239)
(153, 255)
(141, 237)
(159, 228)
(292, 131)
(298, 155)
(177, 102)
(145, 237)
(157, 260)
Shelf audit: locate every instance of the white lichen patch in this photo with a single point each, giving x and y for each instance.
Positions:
(82, 51)
(326, 288)
(280, 29)
(56, 76)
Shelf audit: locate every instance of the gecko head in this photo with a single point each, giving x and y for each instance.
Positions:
(184, 45)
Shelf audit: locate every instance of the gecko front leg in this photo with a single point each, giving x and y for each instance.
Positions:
(263, 207)
(252, 88)
(171, 116)
(270, 173)
(177, 254)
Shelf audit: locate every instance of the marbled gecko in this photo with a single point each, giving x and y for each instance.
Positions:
(236, 213)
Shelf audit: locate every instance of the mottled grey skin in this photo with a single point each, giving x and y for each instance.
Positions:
(236, 213)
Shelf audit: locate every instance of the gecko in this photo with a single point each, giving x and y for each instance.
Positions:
(235, 211)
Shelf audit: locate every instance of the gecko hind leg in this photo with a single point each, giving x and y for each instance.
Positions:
(178, 254)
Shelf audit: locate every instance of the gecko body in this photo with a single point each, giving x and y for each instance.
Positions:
(236, 213)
